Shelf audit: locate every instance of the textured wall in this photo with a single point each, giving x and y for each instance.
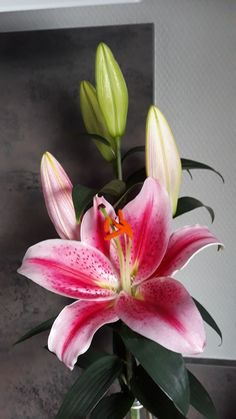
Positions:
(194, 85)
(39, 76)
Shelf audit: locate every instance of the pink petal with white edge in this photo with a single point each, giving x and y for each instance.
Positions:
(92, 226)
(149, 215)
(57, 190)
(164, 312)
(183, 245)
(74, 328)
(70, 268)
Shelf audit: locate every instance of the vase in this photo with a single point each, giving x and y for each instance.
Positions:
(137, 411)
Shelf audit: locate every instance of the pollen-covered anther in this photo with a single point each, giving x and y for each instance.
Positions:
(115, 229)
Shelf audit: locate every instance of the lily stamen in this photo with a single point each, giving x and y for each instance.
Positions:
(119, 228)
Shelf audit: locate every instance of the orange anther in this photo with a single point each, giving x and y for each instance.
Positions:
(122, 227)
(107, 224)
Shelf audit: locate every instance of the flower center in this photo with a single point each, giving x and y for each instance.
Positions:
(118, 228)
(120, 233)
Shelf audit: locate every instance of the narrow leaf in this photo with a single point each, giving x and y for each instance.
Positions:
(82, 197)
(136, 177)
(90, 387)
(124, 198)
(188, 203)
(97, 138)
(152, 397)
(192, 164)
(114, 188)
(115, 406)
(89, 357)
(165, 367)
(200, 399)
(208, 318)
(134, 150)
(42, 327)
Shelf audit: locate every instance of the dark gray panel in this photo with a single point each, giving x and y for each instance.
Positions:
(39, 77)
(220, 382)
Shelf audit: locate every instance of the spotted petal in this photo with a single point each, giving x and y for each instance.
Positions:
(74, 328)
(183, 245)
(149, 215)
(92, 226)
(70, 268)
(164, 312)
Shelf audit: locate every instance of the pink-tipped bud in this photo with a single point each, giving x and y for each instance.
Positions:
(57, 190)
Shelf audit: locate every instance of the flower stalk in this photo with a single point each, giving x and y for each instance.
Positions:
(118, 160)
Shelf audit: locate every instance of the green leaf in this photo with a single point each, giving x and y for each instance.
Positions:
(192, 164)
(89, 357)
(165, 367)
(188, 203)
(82, 197)
(96, 138)
(208, 319)
(152, 397)
(124, 198)
(114, 188)
(115, 406)
(90, 387)
(42, 327)
(136, 177)
(200, 399)
(137, 149)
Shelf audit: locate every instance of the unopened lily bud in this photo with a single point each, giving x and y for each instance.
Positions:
(111, 91)
(162, 157)
(93, 118)
(57, 191)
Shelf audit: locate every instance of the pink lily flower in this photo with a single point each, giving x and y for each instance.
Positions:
(122, 269)
(57, 191)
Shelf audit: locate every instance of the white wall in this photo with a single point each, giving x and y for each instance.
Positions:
(195, 86)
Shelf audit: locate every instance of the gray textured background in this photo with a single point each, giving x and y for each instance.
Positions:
(39, 77)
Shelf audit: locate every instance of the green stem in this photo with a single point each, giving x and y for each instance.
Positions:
(134, 413)
(118, 159)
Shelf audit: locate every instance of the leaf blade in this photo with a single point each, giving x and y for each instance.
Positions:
(90, 387)
(114, 188)
(165, 367)
(188, 203)
(208, 319)
(82, 196)
(115, 406)
(152, 397)
(133, 150)
(200, 399)
(42, 327)
(188, 164)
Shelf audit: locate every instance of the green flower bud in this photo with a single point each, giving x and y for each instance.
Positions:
(93, 118)
(111, 91)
